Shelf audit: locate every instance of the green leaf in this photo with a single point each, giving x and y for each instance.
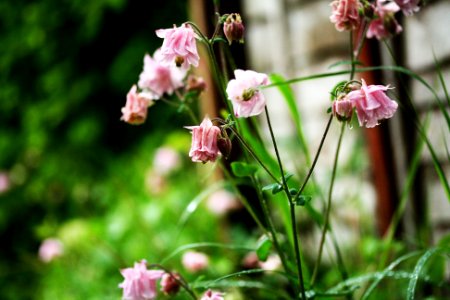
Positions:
(263, 249)
(274, 187)
(346, 62)
(241, 169)
(302, 200)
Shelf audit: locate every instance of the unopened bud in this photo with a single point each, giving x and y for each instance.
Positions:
(195, 83)
(170, 284)
(342, 109)
(224, 145)
(233, 28)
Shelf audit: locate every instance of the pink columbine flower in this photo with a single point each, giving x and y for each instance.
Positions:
(195, 261)
(345, 15)
(170, 283)
(408, 7)
(179, 46)
(221, 202)
(372, 104)
(159, 79)
(204, 142)
(139, 283)
(244, 93)
(233, 28)
(385, 23)
(343, 109)
(166, 160)
(135, 110)
(50, 249)
(211, 295)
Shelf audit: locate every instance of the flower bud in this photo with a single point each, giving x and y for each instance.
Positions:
(233, 28)
(224, 145)
(170, 284)
(343, 109)
(195, 84)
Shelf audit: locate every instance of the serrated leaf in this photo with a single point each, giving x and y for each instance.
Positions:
(241, 169)
(263, 249)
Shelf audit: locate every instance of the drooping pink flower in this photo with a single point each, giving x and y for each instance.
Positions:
(166, 160)
(408, 7)
(221, 202)
(159, 79)
(135, 110)
(372, 104)
(244, 93)
(384, 24)
(233, 28)
(50, 249)
(345, 15)
(272, 263)
(195, 261)
(139, 283)
(179, 46)
(204, 142)
(343, 109)
(211, 295)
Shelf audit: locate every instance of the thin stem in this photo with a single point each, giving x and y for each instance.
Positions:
(352, 73)
(253, 154)
(316, 157)
(328, 209)
(291, 208)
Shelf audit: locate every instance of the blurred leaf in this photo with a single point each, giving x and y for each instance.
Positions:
(241, 169)
(263, 248)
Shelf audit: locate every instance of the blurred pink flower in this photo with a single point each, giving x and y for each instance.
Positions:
(233, 28)
(244, 93)
(221, 202)
(408, 7)
(135, 110)
(50, 249)
(345, 15)
(204, 141)
(159, 79)
(343, 109)
(139, 283)
(272, 263)
(4, 182)
(194, 261)
(372, 104)
(166, 160)
(155, 182)
(179, 46)
(385, 24)
(210, 295)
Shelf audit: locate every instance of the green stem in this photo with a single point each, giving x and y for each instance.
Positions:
(328, 209)
(291, 208)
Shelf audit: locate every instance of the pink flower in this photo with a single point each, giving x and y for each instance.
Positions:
(272, 263)
(385, 23)
(4, 182)
(179, 46)
(159, 79)
(139, 283)
(221, 202)
(204, 142)
(372, 104)
(233, 28)
(166, 160)
(135, 110)
(195, 261)
(244, 93)
(50, 249)
(343, 109)
(408, 7)
(345, 14)
(210, 295)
